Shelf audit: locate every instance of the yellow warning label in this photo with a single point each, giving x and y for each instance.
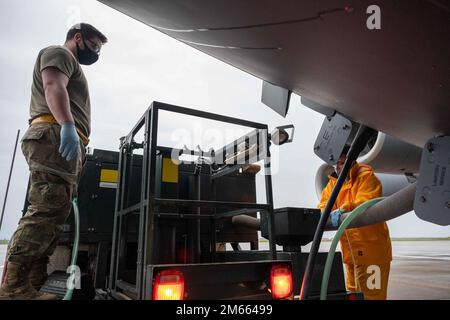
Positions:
(107, 175)
(169, 171)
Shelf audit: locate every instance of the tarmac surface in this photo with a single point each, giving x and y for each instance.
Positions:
(420, 270)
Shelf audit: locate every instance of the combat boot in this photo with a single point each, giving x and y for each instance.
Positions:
(38, 273)
(17, 286)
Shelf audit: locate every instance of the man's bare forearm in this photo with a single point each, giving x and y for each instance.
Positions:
(58, 102)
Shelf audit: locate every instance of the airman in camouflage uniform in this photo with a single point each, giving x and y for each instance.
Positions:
(53, 147)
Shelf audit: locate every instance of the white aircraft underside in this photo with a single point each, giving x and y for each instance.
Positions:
(395, 80)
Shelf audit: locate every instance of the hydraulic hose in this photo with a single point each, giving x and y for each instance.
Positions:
(246, 222)
(390, 208)
(73, 262)
(330, 257)
(362, 137)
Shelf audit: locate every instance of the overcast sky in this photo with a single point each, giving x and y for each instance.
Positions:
(140, 65)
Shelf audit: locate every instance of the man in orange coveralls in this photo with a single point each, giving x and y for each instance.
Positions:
(366, 251)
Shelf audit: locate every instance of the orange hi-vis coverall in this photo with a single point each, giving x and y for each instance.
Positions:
(366, 251)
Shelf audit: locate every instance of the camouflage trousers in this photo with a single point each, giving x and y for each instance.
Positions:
(53, 183)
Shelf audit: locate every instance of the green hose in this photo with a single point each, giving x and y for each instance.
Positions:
(73, 263)
(328, 264)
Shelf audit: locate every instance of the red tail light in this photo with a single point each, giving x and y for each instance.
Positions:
(168, 285)
(281, 281)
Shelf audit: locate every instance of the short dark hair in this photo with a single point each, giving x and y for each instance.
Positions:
(87, 31)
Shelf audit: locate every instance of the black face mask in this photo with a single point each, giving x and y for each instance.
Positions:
(86, 56)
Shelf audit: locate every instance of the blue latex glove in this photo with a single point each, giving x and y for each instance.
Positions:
(70, 141)
(335, 217)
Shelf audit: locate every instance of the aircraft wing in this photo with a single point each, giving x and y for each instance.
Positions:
(396, 79)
